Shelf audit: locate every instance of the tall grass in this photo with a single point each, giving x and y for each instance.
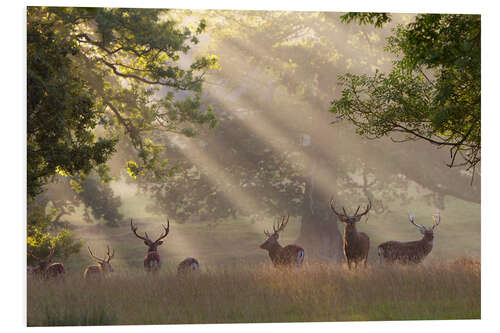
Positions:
(261, 293)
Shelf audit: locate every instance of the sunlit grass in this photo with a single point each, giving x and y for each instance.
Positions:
(261, 293)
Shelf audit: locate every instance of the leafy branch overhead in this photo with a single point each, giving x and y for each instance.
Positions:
(433, 92)
(96, 74)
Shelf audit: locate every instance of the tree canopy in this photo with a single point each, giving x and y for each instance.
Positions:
(273, 151)
(433, 91)
(95, 77)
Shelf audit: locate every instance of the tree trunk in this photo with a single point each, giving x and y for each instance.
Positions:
(319, 233)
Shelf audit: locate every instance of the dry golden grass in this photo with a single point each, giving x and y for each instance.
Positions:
(261, 293)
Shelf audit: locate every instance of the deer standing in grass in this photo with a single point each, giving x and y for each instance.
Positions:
(409, 252)
(290, 255)
(188, 266)
(45, 269)
(102, 268)
(356, 244)
(152, 262)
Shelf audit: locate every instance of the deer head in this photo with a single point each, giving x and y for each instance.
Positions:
(349, 220)
(152, 246)
(43, 263)
(272, 238)
(104, 263)
(427, 232)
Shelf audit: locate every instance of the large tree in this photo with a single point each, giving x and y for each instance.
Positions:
(99, 75)
(273, 152)
(433, 91)
(94, 75)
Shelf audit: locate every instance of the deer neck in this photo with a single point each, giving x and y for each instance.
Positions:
(154, 251)
(350, 232)
(428, 241)
(274, 248)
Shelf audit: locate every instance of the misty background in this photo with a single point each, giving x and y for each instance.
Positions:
(275, 151)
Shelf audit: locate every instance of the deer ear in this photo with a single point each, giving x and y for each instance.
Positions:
(160, 242)
(145, 242)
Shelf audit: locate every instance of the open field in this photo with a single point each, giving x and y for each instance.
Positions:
(237, 283)
(237, 241)
(261, 293)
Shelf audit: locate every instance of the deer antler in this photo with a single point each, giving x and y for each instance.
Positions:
(93, 256)
(345, 216)
(51, 253)
(281, 225)
(110, 256)
(437, 220)
(368, 207)
(412, 220)
(335, 212)
(134, 230)
(166, 230)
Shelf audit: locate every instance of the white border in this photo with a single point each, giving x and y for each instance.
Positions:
(14, 161)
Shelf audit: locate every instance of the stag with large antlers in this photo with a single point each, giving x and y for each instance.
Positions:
(356, 244)
(290, 255)
(152, 262)
(102, 268)
(410, 252)
(45, 269)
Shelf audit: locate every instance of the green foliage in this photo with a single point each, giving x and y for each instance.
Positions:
(42, 235)
(61, 110)
(377, 19)
(96, 75)
(433, 92)
(99, 198)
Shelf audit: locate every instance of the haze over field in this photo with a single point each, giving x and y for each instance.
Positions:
(223, 121)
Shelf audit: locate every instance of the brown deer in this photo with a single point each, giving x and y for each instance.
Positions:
(102, 268)
(356, 244)
(290, 255)
(409, 252)
(188, 266)
(152, 262)
(45, 269)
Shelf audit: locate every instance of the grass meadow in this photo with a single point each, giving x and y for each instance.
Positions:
(262, 293)
(237, 284)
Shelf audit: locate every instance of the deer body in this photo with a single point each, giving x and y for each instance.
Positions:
(188, 265)
(55, 270)
(356, 244)
(290, 255)
(409, 252)
(45, 269)
(102, 269)
(152, 261)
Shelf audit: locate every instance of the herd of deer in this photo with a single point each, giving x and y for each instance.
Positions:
(355, 244)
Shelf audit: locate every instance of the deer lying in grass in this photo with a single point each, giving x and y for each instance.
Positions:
(290, 255)
(356, 244)
(409, 252)
(152, 261)
(188, 266)
(45, 269)
(102, 268)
